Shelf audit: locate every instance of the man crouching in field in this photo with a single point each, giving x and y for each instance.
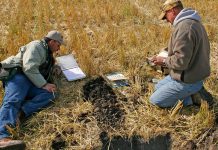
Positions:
(188, 57)
(30, 88)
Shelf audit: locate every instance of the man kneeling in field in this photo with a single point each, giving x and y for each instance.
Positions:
(188, 57)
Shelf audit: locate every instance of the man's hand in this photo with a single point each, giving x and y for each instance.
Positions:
(50, 87)
(159, 60)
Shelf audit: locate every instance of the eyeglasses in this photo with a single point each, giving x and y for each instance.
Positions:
(58, 43)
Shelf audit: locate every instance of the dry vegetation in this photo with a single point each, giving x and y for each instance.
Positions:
(104, 36)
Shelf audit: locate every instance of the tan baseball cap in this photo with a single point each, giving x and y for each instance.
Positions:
(169, 4)
(55, 35)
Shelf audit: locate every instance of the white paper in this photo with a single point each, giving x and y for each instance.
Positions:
(70, 68)
(66, 62)
(116, 76)
(74, 74)
(163, 54)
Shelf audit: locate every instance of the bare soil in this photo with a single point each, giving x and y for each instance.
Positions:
(109, 113)
(107, 109)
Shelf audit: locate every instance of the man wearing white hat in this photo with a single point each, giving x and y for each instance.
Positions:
(188, 56)
(30, 89)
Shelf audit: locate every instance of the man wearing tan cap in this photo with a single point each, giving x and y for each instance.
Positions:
(30, 88)
(188, 56)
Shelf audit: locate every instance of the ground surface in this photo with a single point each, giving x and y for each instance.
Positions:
(107, 36)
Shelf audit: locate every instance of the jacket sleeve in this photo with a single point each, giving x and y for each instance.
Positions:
(182, 46)
(32, 59)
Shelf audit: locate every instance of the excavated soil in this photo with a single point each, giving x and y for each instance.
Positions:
(107, 109)
(109, 113)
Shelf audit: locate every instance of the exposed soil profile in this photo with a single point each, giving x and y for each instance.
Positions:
(109, 113)
(161, 142)
(107, 109)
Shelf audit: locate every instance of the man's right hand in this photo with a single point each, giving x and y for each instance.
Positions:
(50, 87)
(159, 60)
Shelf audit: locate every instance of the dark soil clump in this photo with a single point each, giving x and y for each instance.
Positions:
(161, 142)
(107, 109)
(109, 113)
(58, 143)
(84, 117)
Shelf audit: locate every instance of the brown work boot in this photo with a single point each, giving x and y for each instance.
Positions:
(204, 95)
(9, 144)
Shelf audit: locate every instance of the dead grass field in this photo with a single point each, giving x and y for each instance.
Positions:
(105, 36)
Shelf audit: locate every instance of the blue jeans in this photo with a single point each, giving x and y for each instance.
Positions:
(21, 95)
(168, 91)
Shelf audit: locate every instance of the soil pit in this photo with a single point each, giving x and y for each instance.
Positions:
(109, 113)
(161, 142)
(107, 109)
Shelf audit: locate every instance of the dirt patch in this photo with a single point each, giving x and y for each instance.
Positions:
(109, 113)
(162, 142)
(107, 109)
(58, 143)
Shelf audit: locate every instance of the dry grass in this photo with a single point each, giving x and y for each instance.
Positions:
(106, 36)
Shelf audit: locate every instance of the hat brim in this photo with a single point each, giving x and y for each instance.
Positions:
(162, 15)
(61, 42)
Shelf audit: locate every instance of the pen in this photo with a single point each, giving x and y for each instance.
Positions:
(53, 93)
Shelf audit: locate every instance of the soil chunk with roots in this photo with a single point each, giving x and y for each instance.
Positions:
(109, 113)
(107, 109)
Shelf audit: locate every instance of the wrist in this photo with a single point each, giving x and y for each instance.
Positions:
(44, 85)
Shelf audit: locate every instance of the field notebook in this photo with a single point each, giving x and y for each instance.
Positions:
(117, 79)
(70, 68)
